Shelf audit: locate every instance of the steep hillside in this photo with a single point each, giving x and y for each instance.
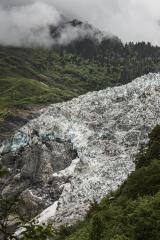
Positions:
(36, 77)
(77, 152)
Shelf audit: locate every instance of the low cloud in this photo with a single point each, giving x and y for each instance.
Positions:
(26, 22)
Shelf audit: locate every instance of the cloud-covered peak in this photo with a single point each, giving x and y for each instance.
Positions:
(27, 21)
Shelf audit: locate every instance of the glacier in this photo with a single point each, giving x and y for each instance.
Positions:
(106, 129)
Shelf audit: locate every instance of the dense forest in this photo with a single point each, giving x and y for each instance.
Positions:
(38, 76)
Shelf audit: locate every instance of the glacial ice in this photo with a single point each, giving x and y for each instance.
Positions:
(106, 128)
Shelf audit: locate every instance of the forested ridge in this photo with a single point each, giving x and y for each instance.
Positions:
(39, 76)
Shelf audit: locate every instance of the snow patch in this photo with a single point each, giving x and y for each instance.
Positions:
(47, 213)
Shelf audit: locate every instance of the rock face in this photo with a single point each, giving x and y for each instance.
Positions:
(13, 123)
(78, 151)
(32, 168)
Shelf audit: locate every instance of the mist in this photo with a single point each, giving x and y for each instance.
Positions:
(26, 22)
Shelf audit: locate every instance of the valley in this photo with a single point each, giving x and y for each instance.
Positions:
(79, 139)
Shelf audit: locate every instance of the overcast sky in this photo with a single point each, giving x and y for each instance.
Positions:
(27, 20)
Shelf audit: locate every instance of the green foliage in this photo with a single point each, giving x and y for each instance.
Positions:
(96, 227)
(37, 77)
(145, 218)
(3, 172)
(145, 180)
(36, 231)
(119, 237)
(153, 150)
(41, 76)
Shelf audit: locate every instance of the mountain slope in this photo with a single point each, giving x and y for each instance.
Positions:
(81, 66)
(76, 152)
